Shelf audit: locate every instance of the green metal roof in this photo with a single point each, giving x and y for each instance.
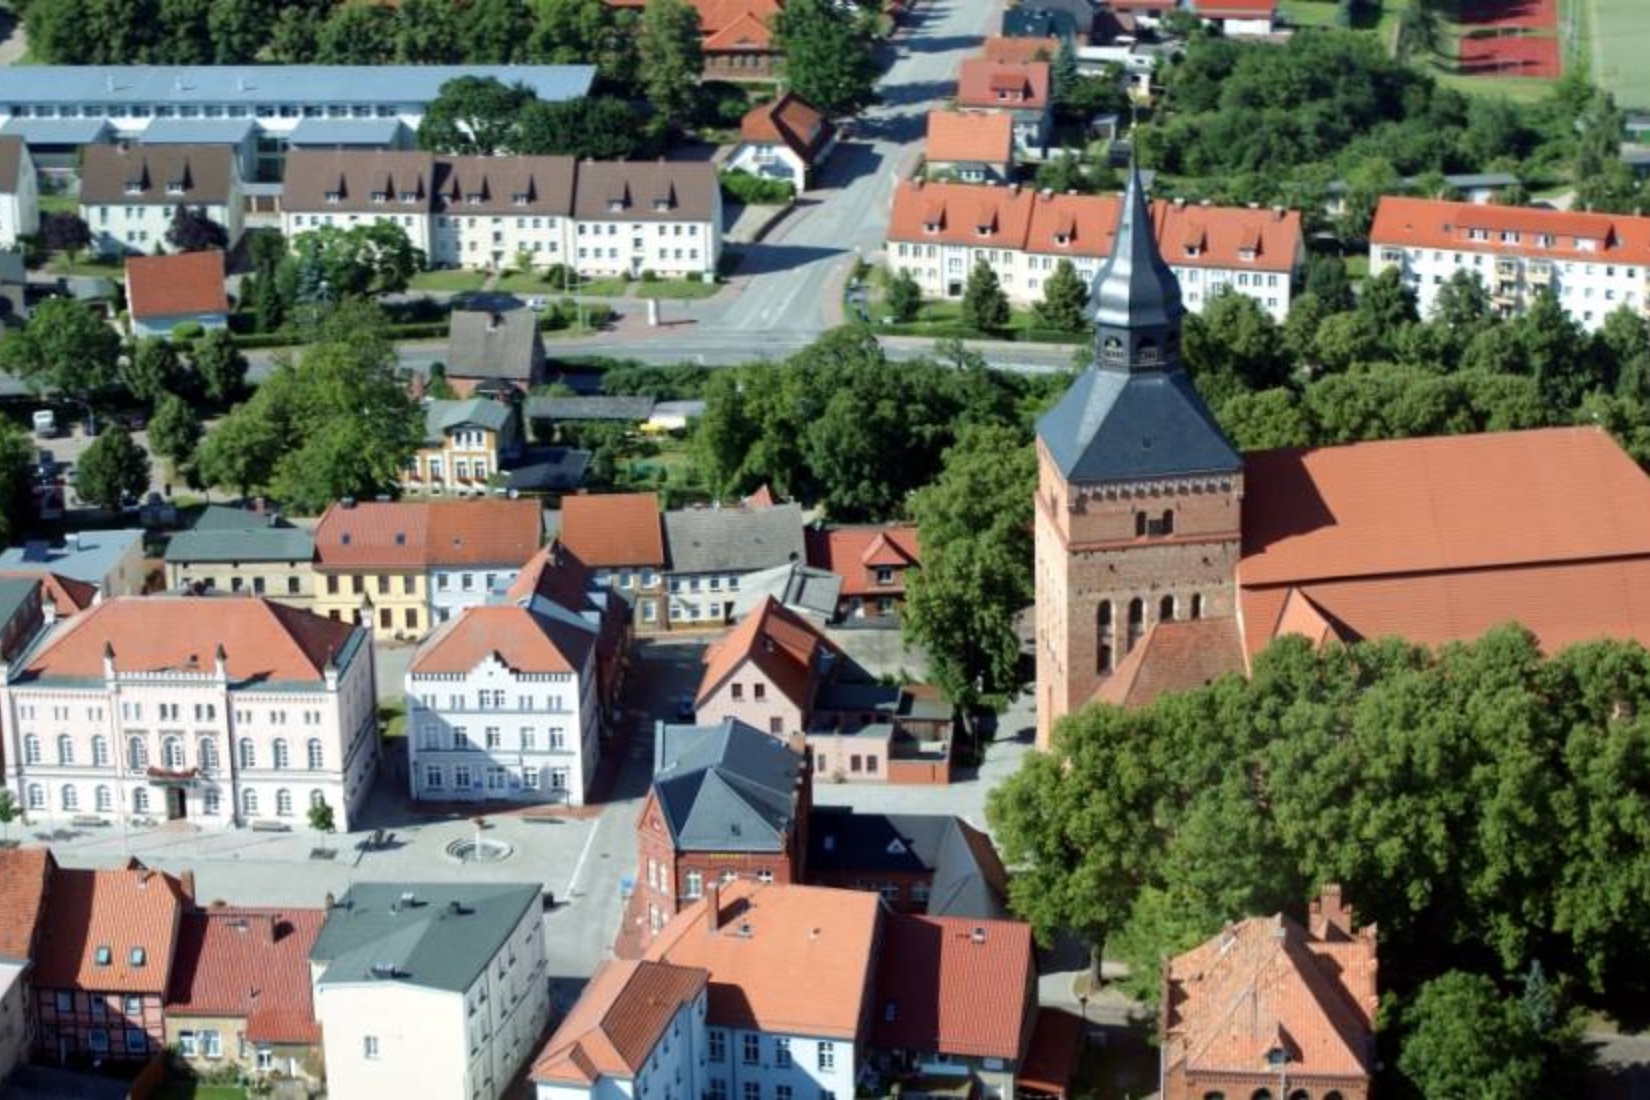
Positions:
(441, 417)
(437, 935)
(244, 544)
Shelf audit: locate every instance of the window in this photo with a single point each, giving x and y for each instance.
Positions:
(212, 1044)
(752, 1052)
(265, 1058)
(1137, 621)
(65, 1002)
(759, 691)
(718, 1089)
(97, 1040)
(138, 957)
(753, 1090)
(104, 799)
(100, 751)
(1165, 609)
(782, 1052)
(782, 1092)
(369, 1047)
(316, 756)
(695, 884)
(529, 740)
(36, 797)
(283, 802)
(718, 1043)
(140, 800)
(461, 776)
(214, 804)
(493, 738)
(249, 802)
(283, 754)
(827, 1056)
(434, 777)
(249, 753)
(738, 693)
(171, 753)
(207, 756)
(70, 798)
(65, 749)
(1197, 605)
(31, 749)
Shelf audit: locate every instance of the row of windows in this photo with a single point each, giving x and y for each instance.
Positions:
(1105, 626)
(430, 739)
(714, 584)
(493, 699)
(238, 583)
(103, 800)
(207, 110)
(750, 1052)
(693, 882)
(173, 756)
(492, 778)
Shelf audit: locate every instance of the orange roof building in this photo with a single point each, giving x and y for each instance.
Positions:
(766, 671)
(974, 146)
(1017, 89)
(166, 291)
(931, 975)
(1257, 252)
(1267, 1001)
(611, 531)
(787, 138)
(1593, 263)
(1019, 51)
(736, 41)
(616, 1029)
(872, 561)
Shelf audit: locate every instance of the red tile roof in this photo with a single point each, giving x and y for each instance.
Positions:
(778, 641)
(969, 136)
(181, 285)
(1174, 657)
(1056, 1044)
(252, 964)
(24, 874)
(791, 121)
(1433, 223)
(614, 529)
(1266, 982)
(1227, 236)
(134, 912)
(427, 534)
(523, 641)
(982, 82)
(261, 640)
(855, 554)
(960, 213)
(932, 977)
(788, 959)
(998, 48)
(617, 1021)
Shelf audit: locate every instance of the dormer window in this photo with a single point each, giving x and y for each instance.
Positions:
(1193, 250)
(409, 196)
(518, 199)
(982, 231)
(175, 187)
(1246, 254)
(1062, 239)
(473, 198)
(930, 227)
(1509, 236)
(661, 205)
(335, 196)
(1544, 240)
(134, 187)
(380, 196)
(615, 205)
(1478, 234)
(102, 956)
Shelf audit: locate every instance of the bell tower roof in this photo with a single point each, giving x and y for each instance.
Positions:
(1133, 414)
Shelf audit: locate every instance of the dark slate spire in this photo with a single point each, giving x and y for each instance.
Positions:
(1134, 414)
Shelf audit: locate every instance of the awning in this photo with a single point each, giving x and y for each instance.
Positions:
(1056, 1045)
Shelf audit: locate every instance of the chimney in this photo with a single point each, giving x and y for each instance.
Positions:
(713, 907)
(1330, 917)
(108, 660)
(220, 663)
(71, 541)
(494, 320)
(186, 879)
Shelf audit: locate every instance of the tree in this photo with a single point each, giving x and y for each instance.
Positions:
(427, 33)
(474, 116)
(357, 34)
(984, 305)
(113, 469)
(1555, 351)
(1234, 345)
(1063, 78)
(181, 29)
(65, 348)
(830, 58)
(175, 431)
(62, 232)
(1462, 304)
(192, 231)
(293, 35)
(1328, 282)
(668, 48)
(10, 811)
(495, 32)
(1065, 299)
(321, 817)
(220, 365)
(976, 568)
(242, 450)
(1388, 303)
(16, 479)
(589, 127)
(153, 369)
(1462, 1039)
(1065, 173)
(237, 29)
(904, 296)
(372, 257)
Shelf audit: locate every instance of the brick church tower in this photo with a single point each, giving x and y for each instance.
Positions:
(1138, 512)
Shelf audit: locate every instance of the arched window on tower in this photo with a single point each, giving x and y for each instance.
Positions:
(1140, 522)
(1111, 350)
(1197, 605)
(1166, 526)
(1137, 622)
(1103, 625)
(1165, 609)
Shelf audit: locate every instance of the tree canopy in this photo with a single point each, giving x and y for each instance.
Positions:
(65, 348)
(829, 52)
(113, 469)
(667, 47)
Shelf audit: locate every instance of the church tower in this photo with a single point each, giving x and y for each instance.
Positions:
(1138, 511)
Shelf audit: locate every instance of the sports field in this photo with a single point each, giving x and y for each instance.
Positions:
(1616, 34)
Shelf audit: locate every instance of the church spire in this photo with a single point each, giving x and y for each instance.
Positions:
(1137, 306)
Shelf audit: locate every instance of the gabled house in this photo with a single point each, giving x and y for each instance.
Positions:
(1019, 90)
(109, 561)
(163, 292)
(24, 876)
(1239, 18)
(240, 992)
(19, 192)
(728, 802)
(711, 550)
(736, 37)
(934, 864)
(970, 146)
(633, 1032)
(104, 962)
(873, 562)
(766, 672)
(241, 550)
(658, 216)
(785, 139)
(465, 443)
(621, 537)
(1018, 50)
(1268, 1000)
(494, 352)
(129, 194)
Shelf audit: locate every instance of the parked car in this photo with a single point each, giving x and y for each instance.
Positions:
(45, 423)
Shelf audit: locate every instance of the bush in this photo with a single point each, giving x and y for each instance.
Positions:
(187, 331)
(743, 187)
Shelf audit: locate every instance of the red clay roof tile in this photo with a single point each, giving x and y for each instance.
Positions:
(252, 964)
(133, 912)
(614, 529)
(179, 285)
(933, 975)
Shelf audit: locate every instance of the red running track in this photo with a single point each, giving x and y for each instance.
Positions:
(1509, 56)
(1521, 14)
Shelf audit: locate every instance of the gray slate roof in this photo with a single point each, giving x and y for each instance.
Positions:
(725, 788)
(548, 470)
(255, 84)
(733, 540)
(842, 841)
(90, 561)
(590, 408)
(197, 131)
(442, 416)
(56, 131)
(372, 132)
(235, 534)
(1114, 426)
(14, 593)
(492, 345)
(799, 587)
(426, 943)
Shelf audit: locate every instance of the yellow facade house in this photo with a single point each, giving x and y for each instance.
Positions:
(239, 550)
(464, 442)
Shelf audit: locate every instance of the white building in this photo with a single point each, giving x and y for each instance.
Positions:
(19, 192)
(1594, 263)
(938, 232)
(128, 196)
(430, 989)
(226, 711)
(638, 1030)
(297, 106)
(658, 216)
(504, 702)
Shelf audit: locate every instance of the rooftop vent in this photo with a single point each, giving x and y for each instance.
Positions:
(978, 935)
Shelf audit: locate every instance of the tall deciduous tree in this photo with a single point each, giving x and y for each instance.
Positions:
(65, 348)
(829, 52)
(589, 127)
(192, 231)
(904, 296)
(219, 364)
(474, 115)
(64, 232)
(668, 48)
(984, 305)
(16, 480)
(1461, 1038)
(152, 370)
(112, 469)
(1065, 298)
(495, 32)
(357, 34)
(175, 431)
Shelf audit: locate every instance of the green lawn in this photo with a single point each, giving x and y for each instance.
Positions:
(1613, 36)
(676, 288)
(455, 280)
(393, 717)
(98, 268)
(529, 283)
(52, 203)
(1308, 13)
